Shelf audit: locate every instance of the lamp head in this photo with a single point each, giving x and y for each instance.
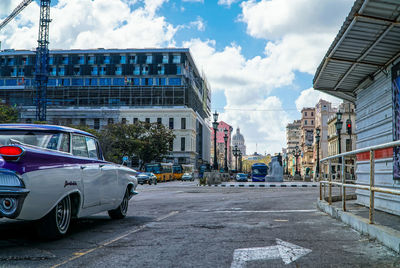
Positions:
(215, 116)
(339, 116)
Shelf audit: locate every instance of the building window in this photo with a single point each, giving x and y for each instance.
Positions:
(132, 59)
(96, 124)
(135, 120)
(118, 70)
(145, 69)
(65, 60)
(110, 121)
(123, 121)
(102, 70)
(136, 71)
(77, 71)
(178, 70)
(122, 60)
(69, 121)
(312, 122)
(171, 123)
(82, 122)
(183, 147)
(51, 60)
(176, 59)
(149, 59)
(159, 120)
(305, 113)
(165, 59)
(94, 71)
(171, 146)
(348, 145)
(174, 81)
(305, 122)
(160, 69)
(106, 59)
(147, 120)
(183, 123)
(53, 71)
(81, 60)
(91, 60)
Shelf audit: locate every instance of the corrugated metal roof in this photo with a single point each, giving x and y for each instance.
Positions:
(365, 45)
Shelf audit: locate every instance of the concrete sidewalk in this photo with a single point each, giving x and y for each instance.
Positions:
(386, 227)
(267, 184)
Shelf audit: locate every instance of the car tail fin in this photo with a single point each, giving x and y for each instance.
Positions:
(11, 152)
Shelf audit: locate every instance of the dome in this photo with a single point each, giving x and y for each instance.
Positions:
(238, 136)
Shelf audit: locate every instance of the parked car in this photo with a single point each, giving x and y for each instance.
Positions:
(147, 177)
(187, 177)
(51, 174)
(241, 177)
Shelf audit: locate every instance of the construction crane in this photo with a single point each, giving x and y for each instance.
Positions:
(14, 13)
(42, 54)
(42, 60)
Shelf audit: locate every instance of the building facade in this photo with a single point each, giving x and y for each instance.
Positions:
(307, 140)
(293, 139)
(347, 139)
(323, 111)
(101, 86)
(238, 140)
(221, 145)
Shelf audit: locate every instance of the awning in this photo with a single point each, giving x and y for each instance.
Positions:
(367, 43)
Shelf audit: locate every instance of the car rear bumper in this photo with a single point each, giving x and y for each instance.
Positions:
(12, 194)
(11, 201)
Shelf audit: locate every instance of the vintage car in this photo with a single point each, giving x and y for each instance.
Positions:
(52, 174)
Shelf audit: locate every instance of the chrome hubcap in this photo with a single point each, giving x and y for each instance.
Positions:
(124, 204)
(63, 214)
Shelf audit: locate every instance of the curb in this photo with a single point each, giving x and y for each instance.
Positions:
(387, 236)
(263, 185)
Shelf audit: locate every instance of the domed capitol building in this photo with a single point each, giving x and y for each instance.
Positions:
(238, 140)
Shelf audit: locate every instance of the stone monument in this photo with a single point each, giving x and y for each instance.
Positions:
(275, 170)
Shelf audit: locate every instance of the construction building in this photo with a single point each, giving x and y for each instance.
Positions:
(101, 86)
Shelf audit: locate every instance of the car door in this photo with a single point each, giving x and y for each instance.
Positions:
(90, 171)
(108, 180)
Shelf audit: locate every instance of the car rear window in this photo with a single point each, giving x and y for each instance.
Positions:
(49, 140)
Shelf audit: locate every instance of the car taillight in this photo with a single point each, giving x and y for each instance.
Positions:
(11, 153)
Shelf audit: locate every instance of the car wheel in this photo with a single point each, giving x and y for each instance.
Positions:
(149, 182)
(56, 223)
(121, 211)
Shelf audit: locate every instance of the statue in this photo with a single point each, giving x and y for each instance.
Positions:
(275, 170)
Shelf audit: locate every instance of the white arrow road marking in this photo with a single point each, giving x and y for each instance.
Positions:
(288, 252)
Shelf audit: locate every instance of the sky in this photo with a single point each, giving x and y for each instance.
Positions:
(259, 56)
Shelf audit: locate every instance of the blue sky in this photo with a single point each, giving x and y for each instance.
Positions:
(259, 56)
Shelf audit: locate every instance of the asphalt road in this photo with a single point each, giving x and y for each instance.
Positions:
(178, 224)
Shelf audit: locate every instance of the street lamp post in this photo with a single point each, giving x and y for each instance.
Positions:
(317, 139)
(215, 127)
(287, 164)
(339, 125)
(296, 154)
(236, 153)
(240, 161)
(226, 149)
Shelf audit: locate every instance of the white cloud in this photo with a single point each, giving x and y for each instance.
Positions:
(194, 1)
(198, 24)
(92, 24)
(310, 97)
(227, 2)
(262, 122)
(271, 19)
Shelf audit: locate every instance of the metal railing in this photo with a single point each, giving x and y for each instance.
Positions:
(371, 188)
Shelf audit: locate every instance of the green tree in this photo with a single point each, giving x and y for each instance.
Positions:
(8, 114)
(148, 141)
